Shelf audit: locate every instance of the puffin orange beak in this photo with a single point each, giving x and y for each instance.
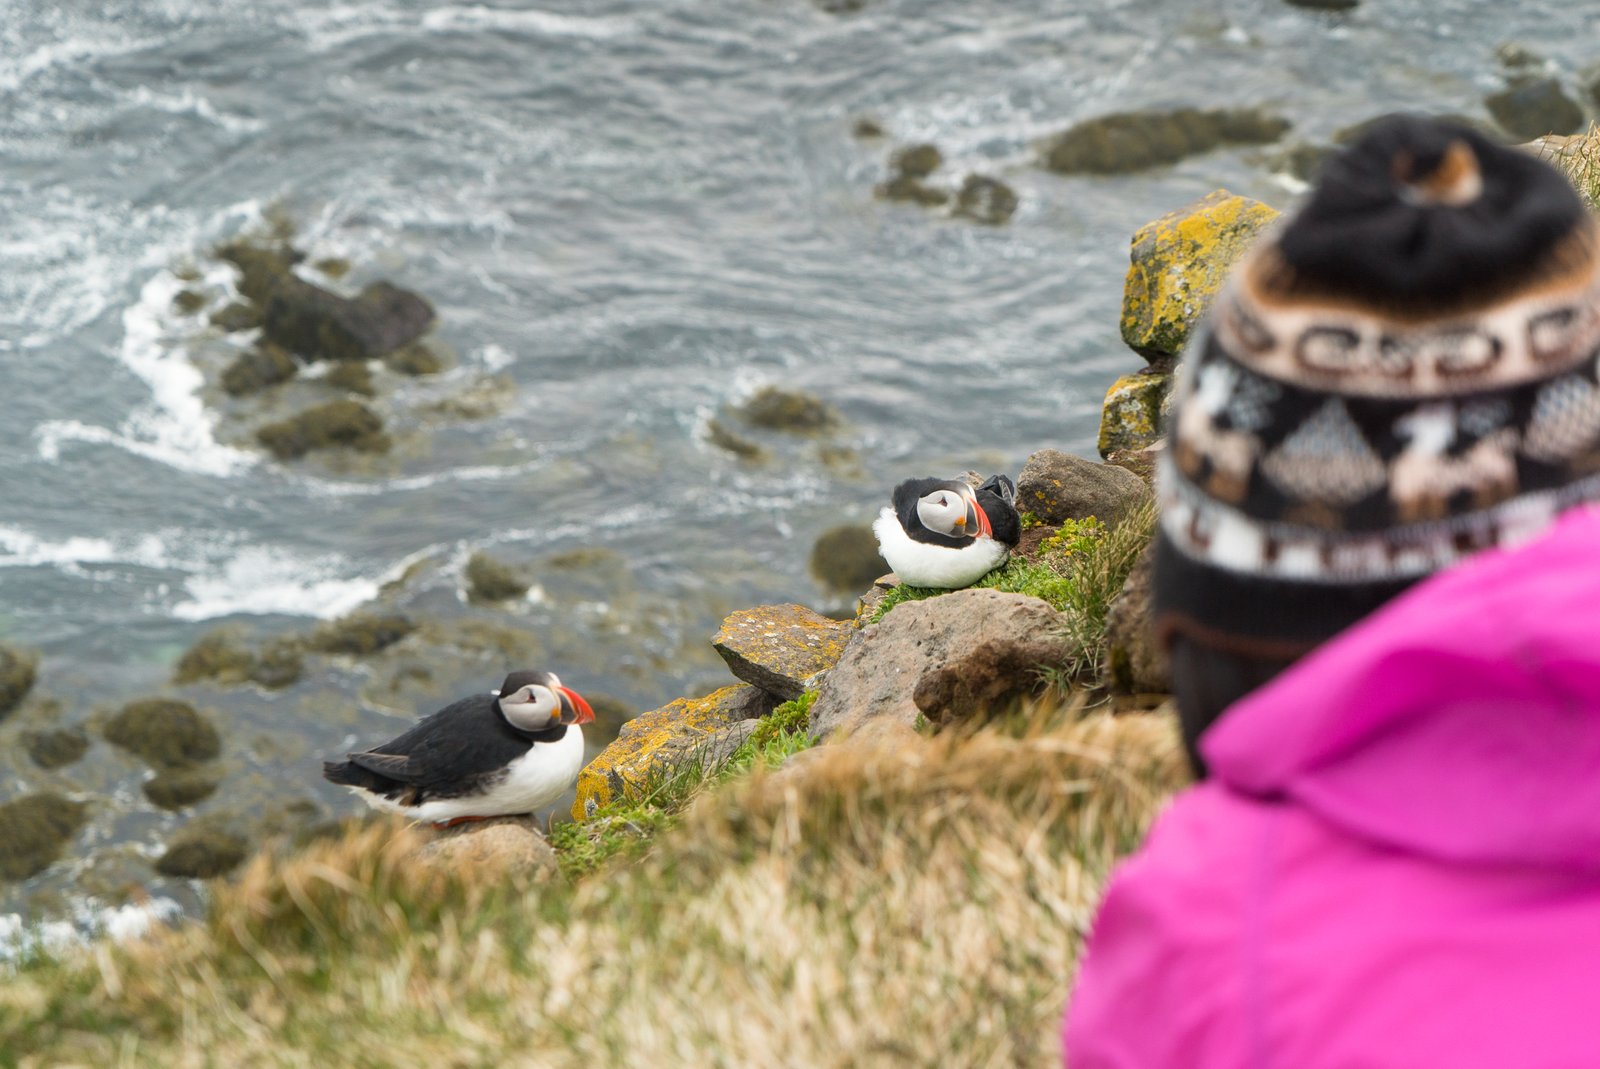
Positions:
(572, 700)
(976, 521)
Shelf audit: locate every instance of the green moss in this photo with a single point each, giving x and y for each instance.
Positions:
(17, 673)
(166, 733)
(489, 579)
(352, 376)
(177, 788)
(202, 853)
(188, 302)
(33, 830)
(774, 408)
(414, 359)
(1074, 536)
(1030, 520)
(344, 424)
(265, 365)
(360, 634)
(219, 656)
(58, 748)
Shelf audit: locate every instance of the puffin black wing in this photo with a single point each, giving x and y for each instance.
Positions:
(453, 752)
(998, 497)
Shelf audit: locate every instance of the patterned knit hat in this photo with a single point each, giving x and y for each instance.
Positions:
(1402, 375)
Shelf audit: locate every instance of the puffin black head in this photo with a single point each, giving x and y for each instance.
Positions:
(534, 701)
(940, 512)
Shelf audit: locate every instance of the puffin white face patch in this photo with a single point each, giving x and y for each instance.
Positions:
(531, 707)
(943, 512)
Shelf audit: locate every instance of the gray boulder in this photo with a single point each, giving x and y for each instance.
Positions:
(948, 658)
(1057, 486)
(780, 648)
(1135, 661)
(1531, 108)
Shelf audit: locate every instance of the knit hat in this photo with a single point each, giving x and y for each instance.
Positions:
(1401, 376)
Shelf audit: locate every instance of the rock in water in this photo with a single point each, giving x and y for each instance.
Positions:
(338, 424)
(780, 648)
(947, 658)
(17, 671)
(845, 559)
(1530, 109)
(33, 830)
(987, 200)
(166, 733)
(321, 325)
(265, 365)
(1057, 487)
(203, 853)
(1135, 140)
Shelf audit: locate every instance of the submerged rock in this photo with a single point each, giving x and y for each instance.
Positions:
(1177, 265)
(1535, 107)
(960, 655)
(1057, 487)
(321, 325)
(986, 200)
(904, 187)
(164, 732)
(1135, 661)
(265, 365)
(1133, 412)
(217, 655)
(720, 435)
(352, 376)
(280, 665)
(188, 302)
(414, 359)
(660, 737)
(780, 648)
(1325, 5)
(502, 846)
(236, 317)
(338, 424)
(776, 409)
(361, 633)
(177, 788)
(915, 161)
(489, 579)
(17, 672)
(908, 166)
(202, 853)
(866, 127)
(845, 559)
(33, 831)
(57, 748)
(1136, 140)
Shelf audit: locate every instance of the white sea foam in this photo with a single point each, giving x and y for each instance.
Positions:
(19, 938)
(261, 580)
(548, 23)
(189, 102)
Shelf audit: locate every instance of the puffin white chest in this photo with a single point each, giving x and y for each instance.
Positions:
(944, 567)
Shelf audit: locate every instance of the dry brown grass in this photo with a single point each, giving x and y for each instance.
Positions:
(1578, 157)
(920, 904)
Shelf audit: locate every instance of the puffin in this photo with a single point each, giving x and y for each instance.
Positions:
(506, 752)
(943, 533)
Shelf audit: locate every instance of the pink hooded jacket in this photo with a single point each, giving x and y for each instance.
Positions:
(1397, 860)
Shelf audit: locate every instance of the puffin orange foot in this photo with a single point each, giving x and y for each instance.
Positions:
(453, 821)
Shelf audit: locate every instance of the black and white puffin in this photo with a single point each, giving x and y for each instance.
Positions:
(943, 533)
(511, 751)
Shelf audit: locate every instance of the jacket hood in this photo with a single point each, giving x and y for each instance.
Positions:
(1460, 722)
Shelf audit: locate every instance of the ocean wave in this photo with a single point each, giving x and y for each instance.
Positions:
(263, 580)
(20, 938)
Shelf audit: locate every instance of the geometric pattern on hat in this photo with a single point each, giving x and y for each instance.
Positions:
(1326, 459)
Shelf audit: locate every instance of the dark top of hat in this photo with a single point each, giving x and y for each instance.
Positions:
(1372, 234)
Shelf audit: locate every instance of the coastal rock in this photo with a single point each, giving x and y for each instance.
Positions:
(780, 648)
(17, 672)
(845, 559)
(867, 605)
(177, 788)
(58, 748)
(908, 166)
(165, 733)
(236, 316)
(661, 736)
(361, 634)
(1131, 417)
(492, 580)
(1136, 140)
(352, 376)
(338, 424)
(265, 365)
(414, 359)
(717, 749)
(202, 853)
(1325, 5)
(1135, 661)
(1057, 487)
(907, 188)
(866, 128)
(915, 161)
(724, 437)
(504, 845)
(217, 655)
(279, 665)
(321, 325)
(1531, 108)
(776, 409)
(1178, 263)
(946, 658)
(986, 200)
(33, 831)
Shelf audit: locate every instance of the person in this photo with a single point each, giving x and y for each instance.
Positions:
(1378, 571)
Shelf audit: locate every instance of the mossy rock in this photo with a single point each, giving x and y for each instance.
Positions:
(915, 161)
(986, 200)
(352, 376)
(236, 316)
(56, 748)
(217, 655)
(279, 665)
(333, 266)
(265, 365)
(723, 437)
(166, 733)
(361, 634)
(188, 302)
(18, 669)
(776, 409)
(1534, 107)
(1178, 264)
(414, 359)
(866, 128)
(489, 579)
(908, 188)
(1131, 416)
(202, 854)
(262, 268)
(846, 560)
(33, 831)
(181, 787)
(338, 424)
(1136, 140)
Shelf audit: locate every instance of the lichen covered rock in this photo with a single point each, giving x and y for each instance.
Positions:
(56, 748)
(17, 672)
(653, 740)
(1134, 140)
(948, 658)
(1135, 661)
(846, 560)
(165, 733)
(342, 424)
(491, 580)
(1179, 262)
(1131, 417)
(202, 853)
(33, 830)
(1057, 487)
(780, 648)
